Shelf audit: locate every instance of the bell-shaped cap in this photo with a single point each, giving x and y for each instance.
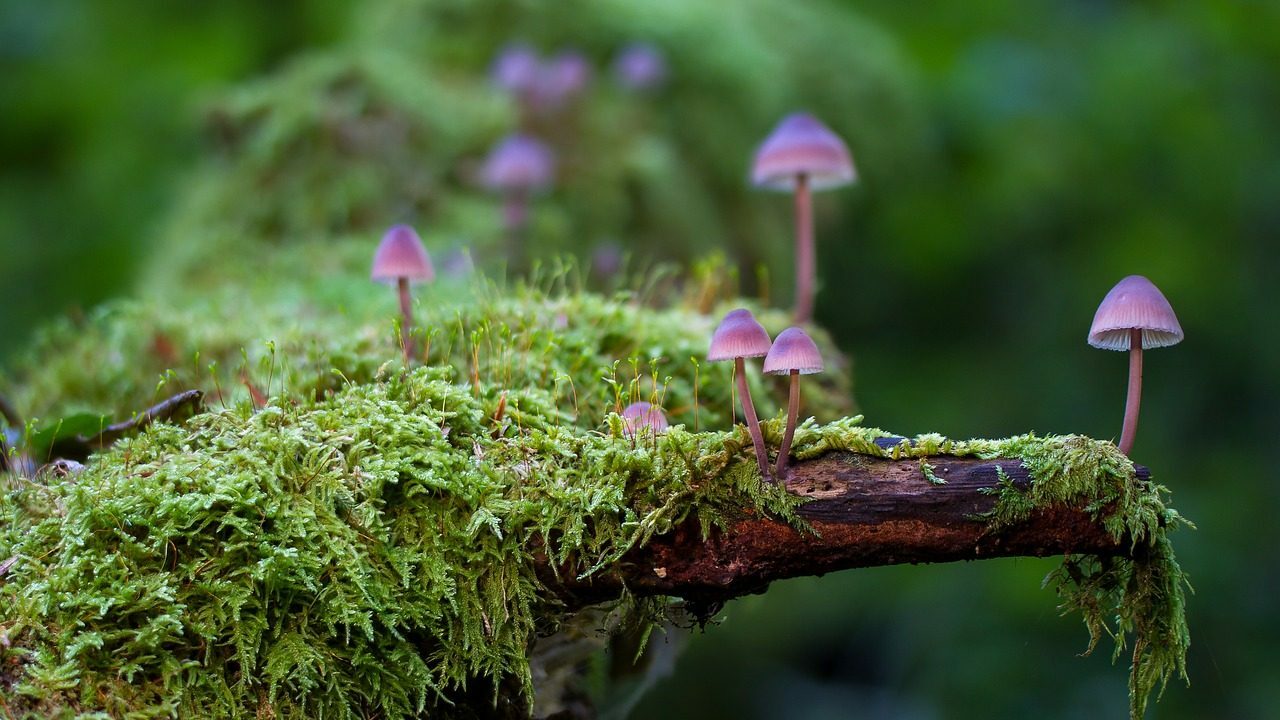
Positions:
(563, 78)
(802, 145)
(794, 350)
(1135, 303)
(402, 255)
(739, 336)
(639, 416)
(640, 66)
(519, 162)
(516, 68)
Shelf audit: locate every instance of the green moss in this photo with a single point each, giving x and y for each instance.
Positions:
(374, 551)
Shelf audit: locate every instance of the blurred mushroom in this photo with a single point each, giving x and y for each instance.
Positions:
(1133, 316)
(641, 416)
(401, 259)
(794, 354)
(516, 168)
(740, 336)
(516, 69)
(802, 154)
(561, 79)
(640, 66)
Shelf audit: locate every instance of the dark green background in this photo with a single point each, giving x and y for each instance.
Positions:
(1055, 148)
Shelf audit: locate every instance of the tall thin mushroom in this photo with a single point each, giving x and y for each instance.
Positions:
(516, 168)
(740, 336)
(800, 155)
(793, 353)
(1134, 316)
(402, 259)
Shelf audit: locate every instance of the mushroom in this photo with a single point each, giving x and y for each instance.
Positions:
(562, 79)
(401, 259)
(1133, 316)
(740, 336)
(640, 416)
(802, 154)
(793, 353)
(516, 168)
(640, 67)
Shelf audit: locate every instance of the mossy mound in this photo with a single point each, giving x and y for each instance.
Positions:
(377, 551)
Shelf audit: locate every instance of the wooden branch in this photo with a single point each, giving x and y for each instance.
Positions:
(867, 511)
(79, 447)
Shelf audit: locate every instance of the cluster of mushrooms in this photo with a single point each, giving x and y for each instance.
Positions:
(800, 155)
(521, 165)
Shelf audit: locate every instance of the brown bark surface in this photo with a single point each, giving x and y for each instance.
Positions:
(866, 511)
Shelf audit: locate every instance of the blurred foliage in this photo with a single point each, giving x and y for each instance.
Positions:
(1017, 159)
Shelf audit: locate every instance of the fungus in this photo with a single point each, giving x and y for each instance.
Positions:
(802, 154)
(515, 69)
(793, 353)
(1134, 315)
(740, 336)
(402, 259)
(562, 79)
(640, 416)
(516, 168)
(640, 67)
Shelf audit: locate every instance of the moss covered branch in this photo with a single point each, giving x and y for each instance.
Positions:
(863, 511)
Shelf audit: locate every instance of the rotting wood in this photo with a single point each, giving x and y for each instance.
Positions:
(867, 511)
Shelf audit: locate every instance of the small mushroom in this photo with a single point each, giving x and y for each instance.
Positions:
(515, 69)
(516, 168)
(1133, 316)
(740, 336)
(793, 353)
(562, 79)
(640, 67)
(402, 259)
(802, 154)
(641, 416)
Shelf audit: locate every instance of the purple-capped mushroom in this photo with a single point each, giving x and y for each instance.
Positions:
(800, 155)
(402, 259)
(740, 336)
(793, 353)
(641, 417)
(1134, 316)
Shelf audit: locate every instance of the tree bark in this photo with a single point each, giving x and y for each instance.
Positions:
(866, 511)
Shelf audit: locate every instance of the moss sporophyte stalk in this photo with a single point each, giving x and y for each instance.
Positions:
(369, 541)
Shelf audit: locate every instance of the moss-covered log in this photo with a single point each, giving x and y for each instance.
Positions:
(863, 511)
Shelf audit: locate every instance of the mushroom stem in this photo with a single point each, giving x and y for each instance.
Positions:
(1130, 429)
(406, 315)
(753, 422)
(793, 413)
(804, 250)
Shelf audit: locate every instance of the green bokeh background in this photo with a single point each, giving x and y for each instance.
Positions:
(1017, 158)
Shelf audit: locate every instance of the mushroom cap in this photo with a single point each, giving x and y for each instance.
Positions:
(640, 66)
(401, 255)
(802, 145)
(1135, 303)
(640, 415)
(519, 162)
(563, 78)
(793, 350)
(739, 336)
(515, 69)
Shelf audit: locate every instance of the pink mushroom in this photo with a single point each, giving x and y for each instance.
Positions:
(642, 416)
(640, 66)
(1133, 316)
(402, 259)
(802, 154)
(740, 336)
(794, 354)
